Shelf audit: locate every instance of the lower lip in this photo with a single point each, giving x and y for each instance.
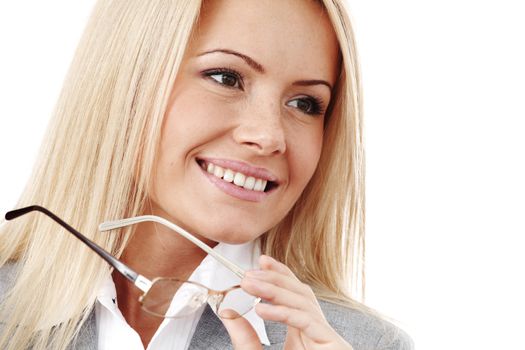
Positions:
(234, 190)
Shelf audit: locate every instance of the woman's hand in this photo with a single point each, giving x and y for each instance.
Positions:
(290, 302)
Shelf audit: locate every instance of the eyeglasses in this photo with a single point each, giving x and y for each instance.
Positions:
(165, 296)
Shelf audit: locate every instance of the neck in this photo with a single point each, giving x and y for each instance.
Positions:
(153, 251)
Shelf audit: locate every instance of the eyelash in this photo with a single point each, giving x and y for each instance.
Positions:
(216, 71)
(316, 103)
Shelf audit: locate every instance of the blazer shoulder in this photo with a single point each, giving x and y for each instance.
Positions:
(86, 339)
(364, 328)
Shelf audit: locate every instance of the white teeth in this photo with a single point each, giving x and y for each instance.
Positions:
(258, 185)
(239, 179)
(228, 175)
(218, 171)
(249, 183)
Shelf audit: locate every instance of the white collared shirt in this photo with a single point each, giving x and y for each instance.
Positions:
(176, 333)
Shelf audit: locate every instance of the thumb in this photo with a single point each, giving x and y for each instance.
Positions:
(241, 332)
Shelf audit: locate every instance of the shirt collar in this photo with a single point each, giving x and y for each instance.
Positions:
(212, 274)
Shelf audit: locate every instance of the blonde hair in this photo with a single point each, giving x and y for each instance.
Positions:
(94, 166)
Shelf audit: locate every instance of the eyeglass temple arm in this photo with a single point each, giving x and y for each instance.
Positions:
(140, 281)
(110, 225)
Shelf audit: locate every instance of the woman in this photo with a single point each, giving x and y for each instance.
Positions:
(166, 103)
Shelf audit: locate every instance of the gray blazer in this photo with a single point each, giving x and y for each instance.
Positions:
(364, 331)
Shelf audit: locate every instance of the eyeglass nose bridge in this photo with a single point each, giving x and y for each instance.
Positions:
(199, 299)
(215, 298)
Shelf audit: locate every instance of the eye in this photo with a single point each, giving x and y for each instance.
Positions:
(307, 105)
(226, 77)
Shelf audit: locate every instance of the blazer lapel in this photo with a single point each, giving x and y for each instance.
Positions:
(210, 333)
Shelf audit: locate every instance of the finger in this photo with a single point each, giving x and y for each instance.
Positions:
(293, 339)
(281, 296)
(241, 332)
(268, 263)
(319, 332)
(281, 280)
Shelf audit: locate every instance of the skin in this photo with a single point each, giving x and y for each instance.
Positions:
(266, 110)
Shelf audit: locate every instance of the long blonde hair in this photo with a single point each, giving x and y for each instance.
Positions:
(94, 165)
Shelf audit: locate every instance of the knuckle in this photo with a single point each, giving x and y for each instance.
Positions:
(270, 297)
(307, 290)
(286, 317)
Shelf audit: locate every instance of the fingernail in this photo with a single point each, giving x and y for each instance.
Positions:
(228, 314)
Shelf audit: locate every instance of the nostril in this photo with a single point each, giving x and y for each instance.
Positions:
(253, 145)
(265, 140)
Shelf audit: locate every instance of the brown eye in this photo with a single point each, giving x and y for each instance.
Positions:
(307, 105)
(225, 77)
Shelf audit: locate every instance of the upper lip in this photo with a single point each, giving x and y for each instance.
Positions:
(242, 167)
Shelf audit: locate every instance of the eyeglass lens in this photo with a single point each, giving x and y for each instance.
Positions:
(172, 298)
(238, 301)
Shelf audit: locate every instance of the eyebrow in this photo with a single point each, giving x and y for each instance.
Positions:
(250, 61)
(259, 67)
(312, 82)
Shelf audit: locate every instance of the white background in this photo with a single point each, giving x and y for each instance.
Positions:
(444, 99)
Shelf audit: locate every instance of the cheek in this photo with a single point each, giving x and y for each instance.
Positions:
(191, 120)
(184, 117)
(304, 156)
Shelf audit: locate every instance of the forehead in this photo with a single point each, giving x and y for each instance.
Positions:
(285, 36)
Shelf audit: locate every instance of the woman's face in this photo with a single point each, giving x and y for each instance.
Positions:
(248, 105)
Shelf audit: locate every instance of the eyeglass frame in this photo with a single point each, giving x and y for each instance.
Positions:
(138, 280)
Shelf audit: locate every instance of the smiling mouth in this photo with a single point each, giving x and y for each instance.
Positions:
(237, 178)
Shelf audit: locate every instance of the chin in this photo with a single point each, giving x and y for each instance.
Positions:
(233, 237)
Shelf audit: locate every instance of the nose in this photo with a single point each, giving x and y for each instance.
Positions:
(261, 130)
